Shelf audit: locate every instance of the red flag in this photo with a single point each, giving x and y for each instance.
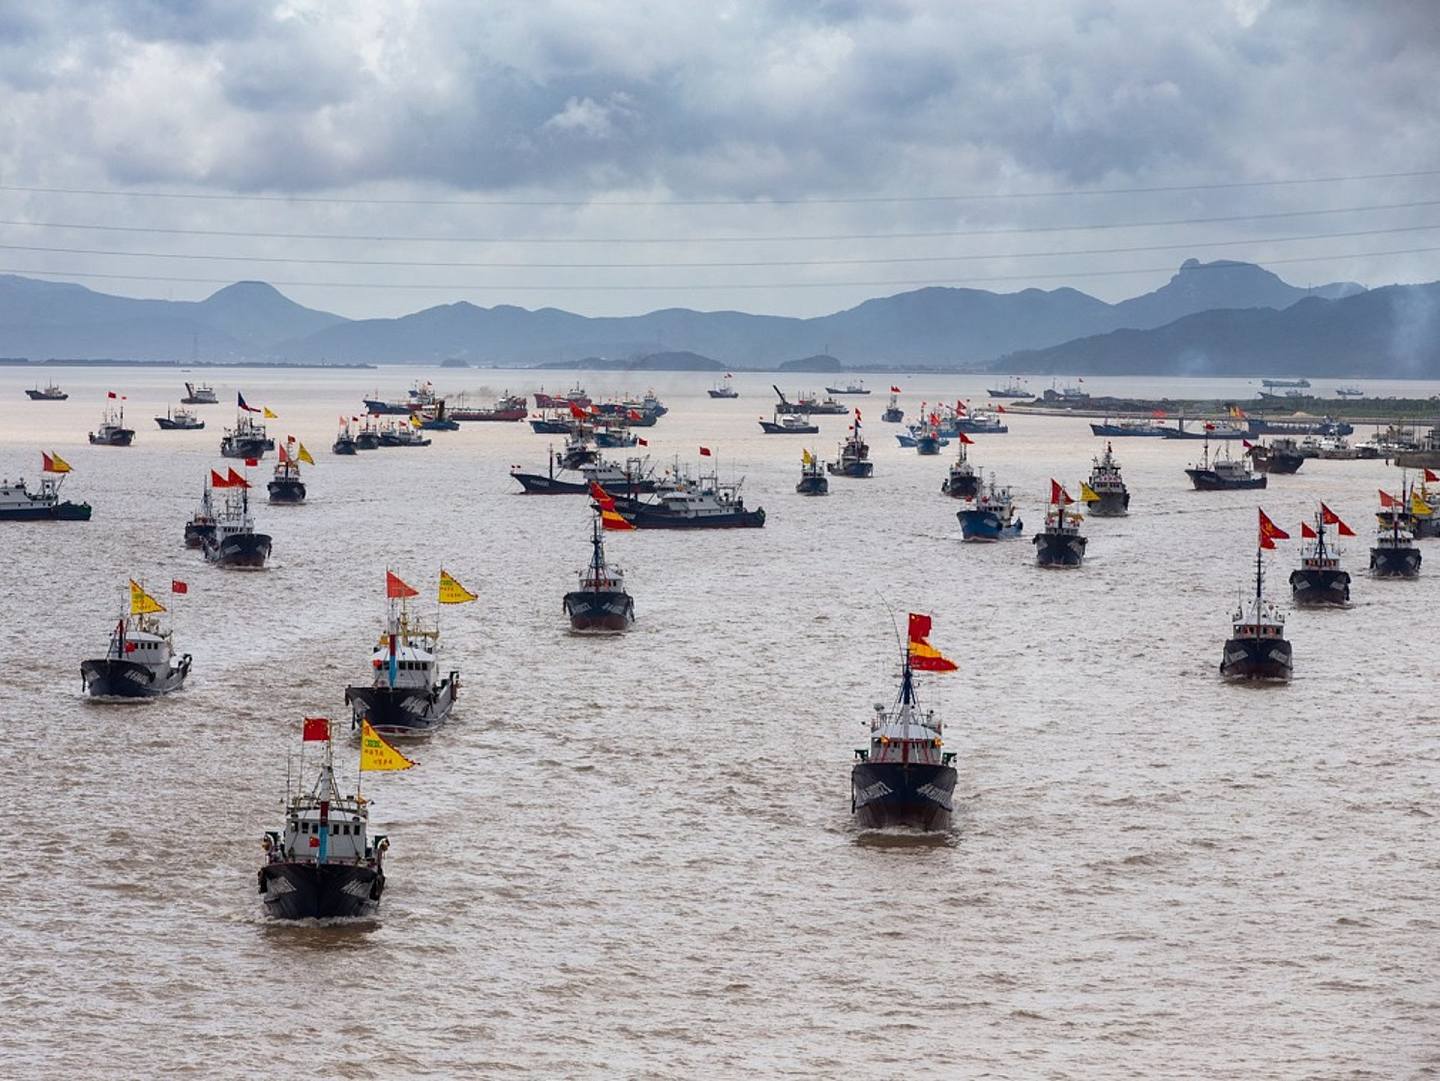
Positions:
(1306, 532)
(642, 442)
(1158, 413)
(1058, 494)
(235, 480)
(1430, 477)
(252, 461)
(857, 416)
(894, 390)
(966, 439)
(1329, 517)
(959, 408)
(109, 394)
(1209, 427)
(705, 452)
(47, 463)
(1387, 500)
(396, 589)
(1000, 409)
(1247, 444)
(1269, 531)
(605, 500)
(316, 728)
(177, 586)
(635, 416)
(282, 455)
(577, 412)
(217, 481)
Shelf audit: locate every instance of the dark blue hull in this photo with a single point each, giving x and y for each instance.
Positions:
(892, 794)
(1059, 549)
(986, 525)
(286, 491)
(343, 446)
(1256, 658)
(1316, 587)
(249, 550)
(48, 512)
(125, 679)
(1395, 562)
(310, 891)
(961, 485)
(402, 711)
(599, 610)
(813, 485)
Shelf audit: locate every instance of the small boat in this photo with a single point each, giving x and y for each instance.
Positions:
(112, 431)
(905, 778)
(980, 422)
(963, 482)
(1319, 581)
(1280, 455)
(1105, 494)
(829, 407)
(435, 419)
(19, 504)
(992, 518)
(406, 696)
(50, 393)
(179, 420)
(1394, 553)
(1131, 428)
(285, 484)
(812, 476)
(855, 386)
(553, 425)
(893, 413)
(707, 504)
(1257, 649)
(323, 865)
(724, 389)
(1014, 388)
(600, 602)
(233, 541)
(509, 407)
(344, 440)
(854, 460)
(1349, 392)
(1060, 543)
(402, 435)
(247, 439)
(202, 394)
(1274, 383)
(140, 661)
(1222, 473)
(788, 424)
(202, 523)
(368, 437)
(928, 440)
(611, 438)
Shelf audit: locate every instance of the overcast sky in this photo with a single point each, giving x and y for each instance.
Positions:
(607, 118)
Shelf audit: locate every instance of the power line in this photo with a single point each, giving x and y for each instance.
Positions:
(968, 257)
(802, 201)
(381, 239)
(608, 287)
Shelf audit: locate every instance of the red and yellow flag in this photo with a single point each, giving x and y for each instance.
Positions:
(1270, 532)
(53, 463)
(610, 518)
(923, 656)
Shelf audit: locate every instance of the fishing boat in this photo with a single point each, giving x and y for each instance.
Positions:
(611, 438)
(1104, 493)
(407, 695)
(507, 408)
(1349, 392)
(1394, 553)
(632, 478)
(323, 864)
(553, 424)
(574, 396)
(1280, 455)
(599, 603)
(829, 407)
(368, 437)
(812, 476)
(140, 661)
(112, 431)
(248, 438)
(19, 504)
(854, 460)
(1274, 383)
(179, 420)
(855, 386)
(420, 397)
(201, 394)
(705, 504)
(202, 522)
(233, 542)
(1060, 543)
(50, 393)
(963, 482)
(285, 484)
(1257, 649)
(1417, 510)
(1014, 388)
(979, 422)
(1327, 426)
(1210, 431)
(724, 388)
(992, 518)
(1222, 473)
(436, 419)
(344, 439)
(928, 440)
(788, 424)
(1131, 429)
(402, 434)
(905, 778)
(1319, 581)
(893, 413)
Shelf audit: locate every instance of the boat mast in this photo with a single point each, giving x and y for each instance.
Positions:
(597, 554)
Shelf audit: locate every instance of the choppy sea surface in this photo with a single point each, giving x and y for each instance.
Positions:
(633, 856)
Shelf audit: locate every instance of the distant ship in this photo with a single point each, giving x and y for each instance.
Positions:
(322, 864)
(508, 408)
(368, 437)
(1349, 392)
(233, 542)
(854, 460)
(905, 778)
(855, 386)
(179, 420)
(19, 504)
(1131, 428)
(1222, 473)
(574, 396)
(1394, 553)
(1060, 543)
(112, 431)
(992, 518)
(402, 434)
(203, 394)
(812, 476)
(1320, 581)
(1257, 648)
(1105, 494)
(634, 477)
(979, 422)
(599, 602)
(704, 504)
(140, 661)
(1272, 383)
(50, 393)
(788, 424)
(421, 396)
(724, 389)
(407, 695)
(962, 482)
(344, 440)
(285, 484)
(1210, 431)
(893, 413)
(1014, 388)
(436, 419)
(1281, 455)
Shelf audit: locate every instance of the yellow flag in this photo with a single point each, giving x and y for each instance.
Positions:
(1419, 507)
(141, 603)
(807, 458)
(270, 415)
(304, 455)
(53, 463)
(376, 755)
(1088, 494)
(414, 421)
(452, 592)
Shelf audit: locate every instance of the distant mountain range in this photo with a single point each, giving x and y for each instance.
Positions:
(1210, 317)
